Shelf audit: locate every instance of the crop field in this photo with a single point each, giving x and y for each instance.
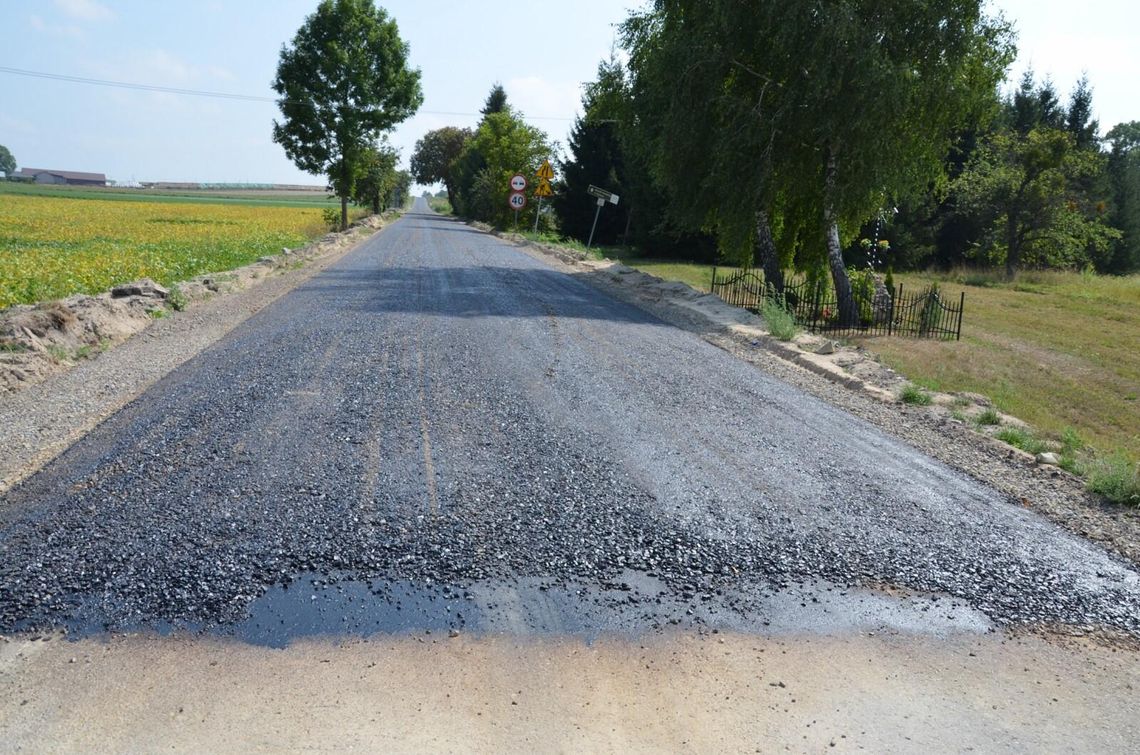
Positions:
(266, 197)
(54, 245)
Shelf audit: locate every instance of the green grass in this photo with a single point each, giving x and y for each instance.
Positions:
(912, 394)
(928, 384)
(554, 239)
(989, 416)
(1023, 439)
(779, 320)
(440, 205)
(54, 246)
(696, 274)
(1058, 350)
(1117, 478)
(59, 353)
(176, 299)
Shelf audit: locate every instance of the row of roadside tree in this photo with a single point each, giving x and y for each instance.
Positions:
(787, 135)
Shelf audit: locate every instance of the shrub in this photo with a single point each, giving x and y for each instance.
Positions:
(331, 218)
(912, 394)
(780, 322)
(1071, 441)
(863, 291)
(1022, 439)
(176, 299)
(1116, 478)
(1071, 444)
(989, 417)
(931, 310)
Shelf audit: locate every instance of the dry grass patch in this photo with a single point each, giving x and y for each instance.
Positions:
(696, 274)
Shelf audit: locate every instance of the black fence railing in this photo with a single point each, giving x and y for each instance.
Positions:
(925, 313)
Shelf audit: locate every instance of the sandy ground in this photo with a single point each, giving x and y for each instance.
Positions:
(687, 693)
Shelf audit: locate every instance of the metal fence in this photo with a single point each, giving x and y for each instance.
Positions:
(925, 313)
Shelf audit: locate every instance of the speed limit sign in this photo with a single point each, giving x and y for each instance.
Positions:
(517, 200)
(518, 182)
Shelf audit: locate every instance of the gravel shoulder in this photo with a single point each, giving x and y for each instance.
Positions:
(852, 380)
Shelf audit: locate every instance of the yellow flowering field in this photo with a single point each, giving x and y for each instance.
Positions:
(51, 247)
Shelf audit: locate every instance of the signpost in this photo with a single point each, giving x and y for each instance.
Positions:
(603, 197)
(545, 173)
(517, 199)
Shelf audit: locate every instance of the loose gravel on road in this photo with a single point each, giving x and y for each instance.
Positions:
(440, 409)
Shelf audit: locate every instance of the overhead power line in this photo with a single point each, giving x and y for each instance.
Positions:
(204, 93)
(140, 87)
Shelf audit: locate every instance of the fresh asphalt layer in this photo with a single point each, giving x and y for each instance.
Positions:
(441, 431)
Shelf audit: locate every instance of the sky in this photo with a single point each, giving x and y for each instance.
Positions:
(542, 53)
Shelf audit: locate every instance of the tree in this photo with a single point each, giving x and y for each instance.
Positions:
(496, 101)
(800, 118)
(342, 82)
(7, 162)
(435, 155)
(400, 189)
(1124, 177)
(502, 145)
(1078, 119)
(612, 130)
(1034, 105)
(1025, 185)
(596, 157)
(376, 177)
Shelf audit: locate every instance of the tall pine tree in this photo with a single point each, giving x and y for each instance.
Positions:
(595, 158)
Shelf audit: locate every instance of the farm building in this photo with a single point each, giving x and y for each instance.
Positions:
(45, 176)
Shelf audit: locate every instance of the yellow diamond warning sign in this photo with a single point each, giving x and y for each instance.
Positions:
(545, 172)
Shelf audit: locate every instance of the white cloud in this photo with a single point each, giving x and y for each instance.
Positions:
(154, 66)
(159, 67)
(70, 31)
(84, 10)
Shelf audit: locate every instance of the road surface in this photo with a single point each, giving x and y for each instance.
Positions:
(442, 433)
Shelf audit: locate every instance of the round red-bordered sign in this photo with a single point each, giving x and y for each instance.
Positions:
(518, 182)
(517, 200)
